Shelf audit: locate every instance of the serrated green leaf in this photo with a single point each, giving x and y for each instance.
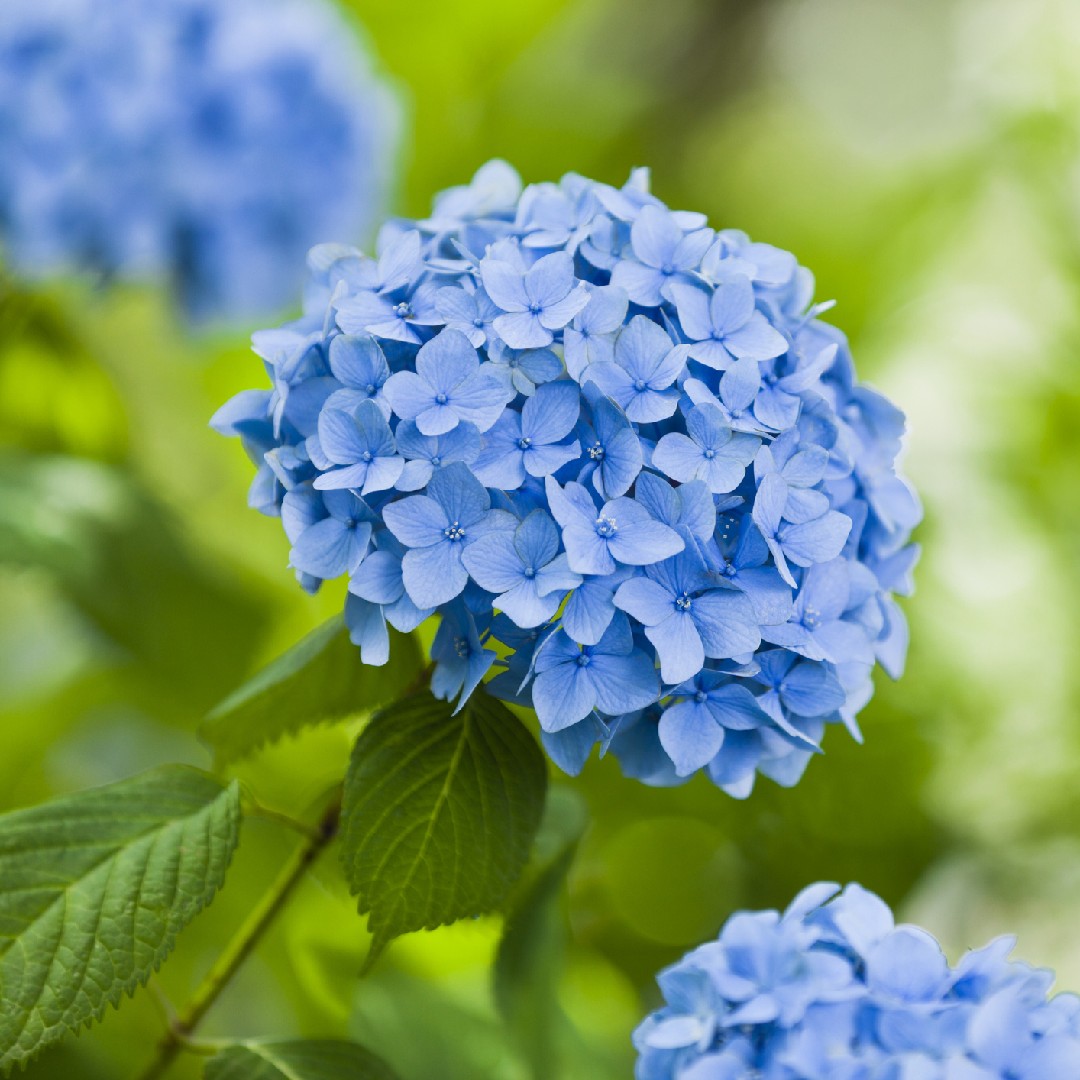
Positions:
(319, 680)
(94, 888)
(529, 961)
(301, 1059)
(440, 811)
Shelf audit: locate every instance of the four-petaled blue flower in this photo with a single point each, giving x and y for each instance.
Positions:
(387, 300)
(778, 401)
(360, 366)
(621, 531)
(470, 313)
(688, 616)
(804, 541)
(724, 326)
(524, 568)
(533, 442)
(525, 369)
(337, 541)
(736, 395)
(744, 562)
(612, 455)
(425, 453)
(572, 680)
(710, 451)
(359, 449)
(641, 378)
(687, 508)
(550, 216)
(703, 710)
(663, 256)
(794, 687)
(461, 660)
(590, 338)
(437, 527)
(537, 301)
(449, 386)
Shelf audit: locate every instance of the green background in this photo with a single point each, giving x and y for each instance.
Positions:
(924, 160)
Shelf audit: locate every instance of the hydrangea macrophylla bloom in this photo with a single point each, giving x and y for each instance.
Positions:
(231, 137)
(437, 528)
(598, 539)
(533, 442)
(710, 451)
(524, 569)
(574, 680)
(590, 338)
(724, 325)
(358, 364)
(358, 448)
(641, 377)
(449, 386)
(617, 453)
(537, 300)
(832, 989)
(689, 615)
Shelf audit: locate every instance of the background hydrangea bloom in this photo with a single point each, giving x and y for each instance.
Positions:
(832, 990)
(210, 142)
(630, 435)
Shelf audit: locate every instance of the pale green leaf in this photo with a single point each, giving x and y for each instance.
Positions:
(94, 888)
(439, 814)
(319, 680)
(302, 1059)
(113, 551)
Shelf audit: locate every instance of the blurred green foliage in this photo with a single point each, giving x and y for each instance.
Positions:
(924, 160)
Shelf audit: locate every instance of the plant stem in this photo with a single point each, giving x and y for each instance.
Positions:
(256, 809)
(242, 944)
(421, 681)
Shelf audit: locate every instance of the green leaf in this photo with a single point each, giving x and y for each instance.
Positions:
(120, 558)
(529, 961)
(57, 396)
(94, 889)
(302, 1059)
(319, 680)
(440, 811)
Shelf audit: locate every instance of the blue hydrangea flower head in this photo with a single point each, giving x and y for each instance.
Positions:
(832, 989)
(204, 142)
(617, 453)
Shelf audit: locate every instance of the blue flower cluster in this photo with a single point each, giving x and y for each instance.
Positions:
(617, 451)
(833, 990)
(210, 142)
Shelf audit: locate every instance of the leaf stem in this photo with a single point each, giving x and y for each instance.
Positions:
(256, 809)
(422, 680)
(183, 1025)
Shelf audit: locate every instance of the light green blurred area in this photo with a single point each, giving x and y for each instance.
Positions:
(924, 161)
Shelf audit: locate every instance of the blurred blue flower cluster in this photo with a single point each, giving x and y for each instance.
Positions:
(833, 990)
(617, 451)
(211, 143)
